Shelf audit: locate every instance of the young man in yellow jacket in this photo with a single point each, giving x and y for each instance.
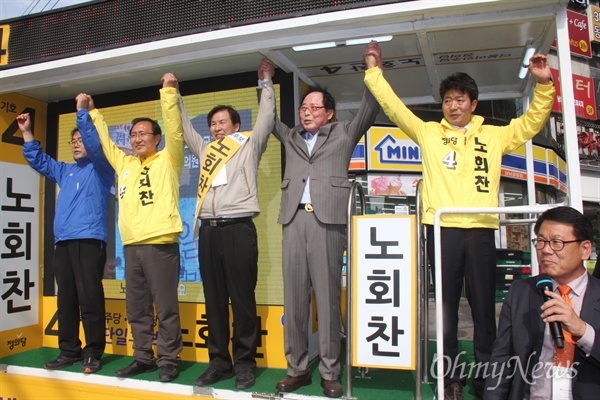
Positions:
(461, 168)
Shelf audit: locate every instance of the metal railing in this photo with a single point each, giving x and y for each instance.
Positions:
(356, 187)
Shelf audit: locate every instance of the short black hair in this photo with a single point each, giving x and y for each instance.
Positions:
(155, 126)
(76, 129)
(461, 82)
(328, 100)
(234, 116)
(582, 226)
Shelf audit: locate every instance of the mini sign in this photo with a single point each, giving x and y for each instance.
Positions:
(384, 291)
(390, 149)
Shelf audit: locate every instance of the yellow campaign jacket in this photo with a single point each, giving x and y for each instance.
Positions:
(462, 170)
(148, 190)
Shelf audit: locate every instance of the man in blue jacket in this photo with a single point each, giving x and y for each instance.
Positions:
(80, 235)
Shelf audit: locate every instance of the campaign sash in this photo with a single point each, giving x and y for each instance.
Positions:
(218, 152)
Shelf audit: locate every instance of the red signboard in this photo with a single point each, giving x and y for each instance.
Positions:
(579, 34)
(583, 91)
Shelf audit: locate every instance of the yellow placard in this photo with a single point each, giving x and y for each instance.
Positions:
(193, 326)
(21, 328)
(4, 35)
(11, 105)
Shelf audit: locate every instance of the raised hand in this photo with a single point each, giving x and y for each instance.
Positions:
(373, 55)
(84, 100)
(266, 69)
(170, 80)
(24, 123)
(81, 101)
(538, 66)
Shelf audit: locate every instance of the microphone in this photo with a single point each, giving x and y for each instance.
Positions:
(544, 283)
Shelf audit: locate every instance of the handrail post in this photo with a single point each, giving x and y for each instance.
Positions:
(356, 186)
(421, 300)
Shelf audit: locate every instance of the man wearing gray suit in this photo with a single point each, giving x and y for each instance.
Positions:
(315, 188)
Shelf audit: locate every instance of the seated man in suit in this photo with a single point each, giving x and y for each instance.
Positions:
(525, 363)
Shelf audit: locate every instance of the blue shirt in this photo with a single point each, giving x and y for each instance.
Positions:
(82, 204)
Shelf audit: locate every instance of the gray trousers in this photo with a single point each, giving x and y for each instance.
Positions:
(312, 256)
(152, 277)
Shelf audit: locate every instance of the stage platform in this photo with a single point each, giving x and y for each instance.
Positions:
(22, 377)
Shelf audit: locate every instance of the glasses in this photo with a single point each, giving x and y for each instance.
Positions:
(141, 135)
(555, 244)
(73, 142)
(312, 109)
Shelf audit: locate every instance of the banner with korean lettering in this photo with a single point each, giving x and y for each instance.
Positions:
(579, 35)
(194, 328)
(384, 291)
(585, 96)
(21, 218)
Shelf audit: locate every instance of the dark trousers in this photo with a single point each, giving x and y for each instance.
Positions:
(79, 265)
(469, 255)
(228, 258)
(152, 278)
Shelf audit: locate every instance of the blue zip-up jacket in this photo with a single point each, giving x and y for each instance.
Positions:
(82, 204)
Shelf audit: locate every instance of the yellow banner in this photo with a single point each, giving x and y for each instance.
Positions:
(193, 326)
(4, 35)
(11, 105)
(21, 241)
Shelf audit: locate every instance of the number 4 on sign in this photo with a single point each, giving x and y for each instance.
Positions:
(52, 327)
(10, 134)
(4, 34)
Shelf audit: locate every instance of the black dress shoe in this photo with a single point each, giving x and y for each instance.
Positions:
(453, 391)
(244, 379)
(479, 391)
(212, 375)
(293, 383)
(168, 372)
(331, 388)
(136, 367)
(62, 362)
(91, 365)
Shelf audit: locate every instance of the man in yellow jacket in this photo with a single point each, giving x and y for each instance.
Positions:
(461, 168)
(150, 225)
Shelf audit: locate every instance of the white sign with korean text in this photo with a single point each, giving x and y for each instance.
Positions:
(384, 291)
(19, 253)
